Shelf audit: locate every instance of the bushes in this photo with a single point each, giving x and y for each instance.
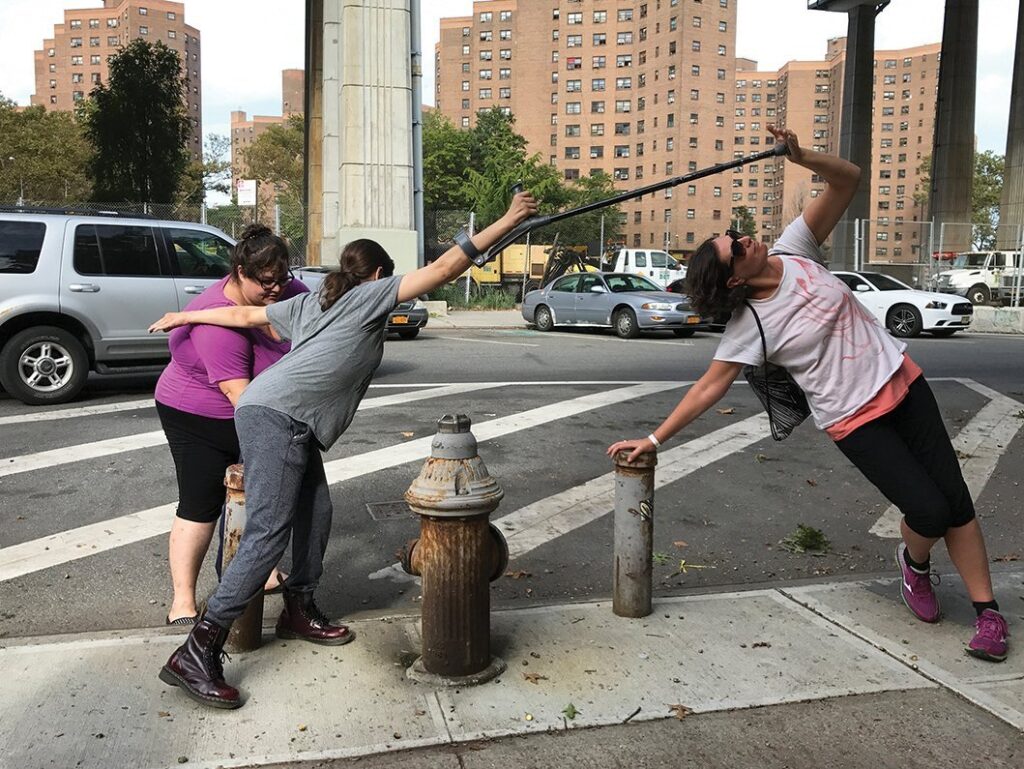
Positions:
(479, 298)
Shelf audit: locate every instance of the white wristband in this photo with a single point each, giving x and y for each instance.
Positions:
(654, 440)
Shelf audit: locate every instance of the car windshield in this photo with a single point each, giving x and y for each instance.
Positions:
(620, 283)
(962, 261)
(884, 282)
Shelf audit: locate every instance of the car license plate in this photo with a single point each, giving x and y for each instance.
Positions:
(693, 319)
(400, 319)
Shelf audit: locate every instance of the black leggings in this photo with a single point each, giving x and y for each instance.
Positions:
(202, 448)
(907, 454)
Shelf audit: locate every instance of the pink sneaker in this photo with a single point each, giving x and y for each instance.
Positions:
(989, 642)
(917, 591)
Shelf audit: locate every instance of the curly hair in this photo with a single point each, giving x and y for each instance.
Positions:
(706, 279)
(258, 252)
(359, 260)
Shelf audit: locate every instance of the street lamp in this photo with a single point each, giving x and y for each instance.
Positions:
(21, 185)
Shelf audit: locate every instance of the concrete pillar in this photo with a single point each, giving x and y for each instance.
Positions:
(314, 106)
(953, 151)
(1011, 204)
(366, 129)
(855, 127)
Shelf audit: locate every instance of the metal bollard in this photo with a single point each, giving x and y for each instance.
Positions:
(634, 534)
(247, 631)
(457, 554)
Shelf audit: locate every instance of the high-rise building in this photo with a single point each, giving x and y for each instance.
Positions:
(245, 130)
(642, 91)
(74, 60)
(807, 98)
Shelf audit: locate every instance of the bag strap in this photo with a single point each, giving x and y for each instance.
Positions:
(764, 348)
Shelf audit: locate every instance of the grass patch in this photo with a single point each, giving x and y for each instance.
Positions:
(807, 539)
(479, 299)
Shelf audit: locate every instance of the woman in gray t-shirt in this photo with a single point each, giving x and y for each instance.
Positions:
(296, 408)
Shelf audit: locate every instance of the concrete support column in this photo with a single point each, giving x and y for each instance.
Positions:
(314, 107)
(953, 158)
(1011, 204)
(855, 127)
(366, 127)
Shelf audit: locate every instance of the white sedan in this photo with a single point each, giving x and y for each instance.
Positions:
(906, 311)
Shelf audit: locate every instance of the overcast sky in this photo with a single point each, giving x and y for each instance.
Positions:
(246, 44)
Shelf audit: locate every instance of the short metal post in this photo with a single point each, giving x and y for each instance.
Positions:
(246, 631)
(634, 534)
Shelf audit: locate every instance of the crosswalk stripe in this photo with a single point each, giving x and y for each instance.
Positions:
(71, 545)
(78, 411)
(980, 443)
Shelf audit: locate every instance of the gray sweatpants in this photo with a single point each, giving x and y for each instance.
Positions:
(286, 494)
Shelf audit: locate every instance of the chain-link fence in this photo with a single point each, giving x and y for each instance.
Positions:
(285, 218)
(897, 248)
(439, 228)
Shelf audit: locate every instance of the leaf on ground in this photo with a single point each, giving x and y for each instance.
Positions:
(684, 566)
(806, 539)
(1006, 558)
(759, 458)
(726, 412)
(163, 714)
(570, 712)
(534, 678)
(680, 543)
(407, 434)
(760, 645)
(660, 558)
(680, 711)
(811, 482)
(517, 574)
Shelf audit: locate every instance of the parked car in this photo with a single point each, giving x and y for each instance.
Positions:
(717, 322)
(406, 319)
(78, 292)
(905, 311)
(626, 303)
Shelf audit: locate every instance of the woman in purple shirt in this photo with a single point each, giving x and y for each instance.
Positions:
(195, 398)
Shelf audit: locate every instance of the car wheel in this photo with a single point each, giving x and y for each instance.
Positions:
(43, 365)
(410, 333)
(542, 318)
(684, 333)
(903, 320)
(943, 333)
(979, 294)
(624, 322)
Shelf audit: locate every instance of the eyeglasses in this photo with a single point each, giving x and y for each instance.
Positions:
(736, 249)
(281, 282)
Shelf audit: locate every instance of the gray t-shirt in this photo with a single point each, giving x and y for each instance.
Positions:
(321, 381)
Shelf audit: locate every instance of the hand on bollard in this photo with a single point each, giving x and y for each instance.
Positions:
(635, 447)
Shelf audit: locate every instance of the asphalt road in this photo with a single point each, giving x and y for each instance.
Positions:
(69, 492)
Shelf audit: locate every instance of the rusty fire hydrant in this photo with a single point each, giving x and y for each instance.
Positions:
(246, 631)
(458, 552)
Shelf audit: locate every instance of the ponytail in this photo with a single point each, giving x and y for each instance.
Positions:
(259, 251)
(359, 260)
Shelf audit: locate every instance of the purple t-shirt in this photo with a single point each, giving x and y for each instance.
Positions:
(203, 356)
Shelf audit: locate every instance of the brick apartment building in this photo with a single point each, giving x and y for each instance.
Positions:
(645, 91)
(74, 60)
(245, 130)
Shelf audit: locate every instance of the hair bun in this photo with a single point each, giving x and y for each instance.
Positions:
(255, 231)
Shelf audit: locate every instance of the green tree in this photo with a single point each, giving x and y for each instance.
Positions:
(277, 157)
(986, 188)
(42, 154)
(743, 221)
(211, 174)
(446, 159)
(138, 126)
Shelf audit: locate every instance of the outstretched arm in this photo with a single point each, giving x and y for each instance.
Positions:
(231, 317)
(841, 180)
(454, 262)
(704, 394)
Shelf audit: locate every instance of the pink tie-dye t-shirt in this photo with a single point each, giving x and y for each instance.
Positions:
(817, 330)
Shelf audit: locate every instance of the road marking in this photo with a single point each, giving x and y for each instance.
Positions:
(490, 341)
(981, 442)
(547, 519)
(79, 411)
(71, 545)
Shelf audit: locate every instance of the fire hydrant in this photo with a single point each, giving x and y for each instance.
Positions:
(457, 554)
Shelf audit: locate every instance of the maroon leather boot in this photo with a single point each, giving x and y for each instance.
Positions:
(196, 667)
(301, 619)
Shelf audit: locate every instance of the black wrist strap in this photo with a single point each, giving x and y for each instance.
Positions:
(463, 241)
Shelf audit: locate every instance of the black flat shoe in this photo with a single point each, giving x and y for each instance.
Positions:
(181, 620)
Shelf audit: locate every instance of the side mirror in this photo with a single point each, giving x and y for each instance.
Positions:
(597, 288)
(862, 287)
(675, 266)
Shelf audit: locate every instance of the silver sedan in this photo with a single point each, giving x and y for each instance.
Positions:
(626, 303)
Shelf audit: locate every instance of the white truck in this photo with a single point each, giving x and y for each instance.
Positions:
(658, 266)
(981, 276)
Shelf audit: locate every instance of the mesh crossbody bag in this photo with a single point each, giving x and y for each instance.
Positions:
(780, 395)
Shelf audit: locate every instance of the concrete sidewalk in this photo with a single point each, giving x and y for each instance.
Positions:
(95, 701)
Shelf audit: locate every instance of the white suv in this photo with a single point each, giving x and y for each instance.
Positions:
(78, 291)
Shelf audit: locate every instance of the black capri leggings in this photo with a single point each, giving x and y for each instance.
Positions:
(907, 454)
(202, 448)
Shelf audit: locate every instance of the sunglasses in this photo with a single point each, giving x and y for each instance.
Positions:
(736, 249)
(281, 282)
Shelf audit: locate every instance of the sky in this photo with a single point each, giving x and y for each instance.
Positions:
(246, 44)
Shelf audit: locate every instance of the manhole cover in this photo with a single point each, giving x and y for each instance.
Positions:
(389, 511)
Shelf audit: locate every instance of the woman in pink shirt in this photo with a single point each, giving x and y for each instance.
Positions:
(196, 395)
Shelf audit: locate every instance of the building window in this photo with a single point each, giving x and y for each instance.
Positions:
(506, 74)
(143, 30)
(111, 23)
(171, 34)
(598, 62)
(465, 85)
(623, 83)
(94, 42)
(600, 38)
(485, 93)
(76, 24)
(486, 55)
(94, 59)
(597, 84)
(624, 38)
(486, 17)
(597, 107)
(505, 16)
(143, 11)
(76, 77)
(572, 130)
(485, 74)
(574, 62)
(505, 34)
(696, 21)
(624, 60)
(597, 129)
(76, 61)
(465, 50)
(573, 108)
(76, 42)
(572, 153)
(623, 105)
(505, 54)
(486, 36)
(625, 14)
(573, 41)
